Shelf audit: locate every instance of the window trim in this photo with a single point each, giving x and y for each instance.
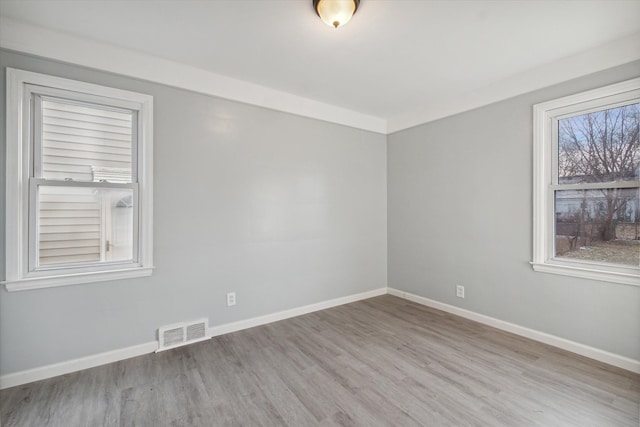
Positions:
(18, 175)
(545, 116)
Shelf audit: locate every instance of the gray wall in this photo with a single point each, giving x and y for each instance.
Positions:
(460, 213)
(284, 210)
(288, 211)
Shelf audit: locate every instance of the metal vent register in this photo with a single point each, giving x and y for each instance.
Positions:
(180, 334)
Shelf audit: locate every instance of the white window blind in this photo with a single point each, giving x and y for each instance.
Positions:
(80, 141)
(77, 137)
(69, 225)
(79, 182)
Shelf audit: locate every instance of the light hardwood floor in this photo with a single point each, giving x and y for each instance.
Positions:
(383, 361)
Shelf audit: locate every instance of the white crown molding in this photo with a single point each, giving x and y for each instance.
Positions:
(619, 52)
(565, 344)
(63, 47)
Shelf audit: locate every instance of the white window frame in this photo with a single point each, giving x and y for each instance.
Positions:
(545, 142)
(19, 248)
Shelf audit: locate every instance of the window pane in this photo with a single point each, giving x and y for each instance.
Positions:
(598, 225)
(85, 142)
(80, 225)
(600, 147)
(119, 225)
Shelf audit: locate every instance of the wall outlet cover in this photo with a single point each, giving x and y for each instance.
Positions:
(231, 299)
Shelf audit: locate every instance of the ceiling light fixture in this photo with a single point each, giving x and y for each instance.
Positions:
(335, 13)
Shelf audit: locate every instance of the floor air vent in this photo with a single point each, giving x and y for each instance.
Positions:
(179, 334)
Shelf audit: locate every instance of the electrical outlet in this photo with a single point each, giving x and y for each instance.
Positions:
(460, 291)
(231, 299)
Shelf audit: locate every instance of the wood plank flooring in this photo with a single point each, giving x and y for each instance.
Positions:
(379, 362)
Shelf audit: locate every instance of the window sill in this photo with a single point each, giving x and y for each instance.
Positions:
(584, 272)
(75, 279)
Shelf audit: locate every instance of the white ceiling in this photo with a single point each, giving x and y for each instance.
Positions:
(393, 59)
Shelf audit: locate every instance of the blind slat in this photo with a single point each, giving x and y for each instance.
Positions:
(63, 205)
(85, 110)
(106, 142)
(68, 198)
(55, 244)
(72, 115)
(70, 221)
(86, 155)
(70, 258)
(74, 161)
(85, 125)
(68, 213)
(76, 250)
(66, 236)
(76, 176)
(55, 167)
(87, 147)
(65, 130)
(68, 228)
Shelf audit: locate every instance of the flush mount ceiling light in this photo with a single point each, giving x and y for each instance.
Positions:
(335, 13)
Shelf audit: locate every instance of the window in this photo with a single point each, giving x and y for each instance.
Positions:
(79, 182)
(587, 184)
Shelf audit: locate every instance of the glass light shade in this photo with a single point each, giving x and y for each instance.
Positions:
(336, 13)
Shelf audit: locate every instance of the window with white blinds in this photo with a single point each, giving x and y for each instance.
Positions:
(83, 142)
(78, 137)
(83, 202)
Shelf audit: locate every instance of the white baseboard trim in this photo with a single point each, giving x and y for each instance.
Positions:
(44, 372)
(286, 314)
(565, 344)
